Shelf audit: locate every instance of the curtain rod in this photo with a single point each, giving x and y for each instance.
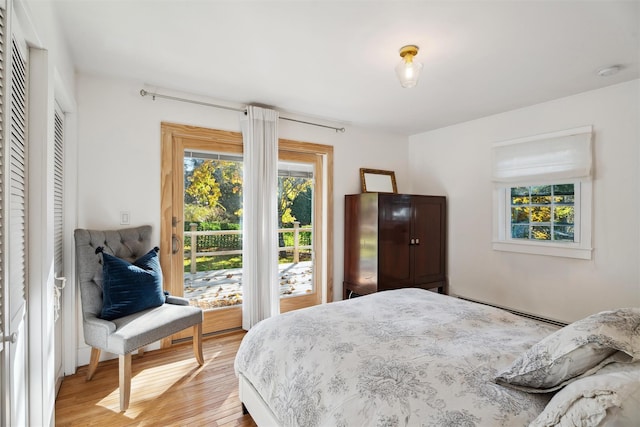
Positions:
(242, 110)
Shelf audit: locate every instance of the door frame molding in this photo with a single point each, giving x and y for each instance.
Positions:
(173, 138)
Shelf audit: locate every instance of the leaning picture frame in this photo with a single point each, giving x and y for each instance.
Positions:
(378, 181)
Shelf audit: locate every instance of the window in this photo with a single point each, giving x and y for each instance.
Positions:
(543, 212)
(543, 194)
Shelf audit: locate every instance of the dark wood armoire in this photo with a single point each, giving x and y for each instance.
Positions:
(394, 241)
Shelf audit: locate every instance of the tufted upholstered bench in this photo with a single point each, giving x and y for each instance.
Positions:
(124, 335)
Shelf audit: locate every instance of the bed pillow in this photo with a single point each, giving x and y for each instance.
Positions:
(580, 348)
(128, 288)
(610, 397)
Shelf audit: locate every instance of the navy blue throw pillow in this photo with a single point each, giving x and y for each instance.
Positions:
(128, 288)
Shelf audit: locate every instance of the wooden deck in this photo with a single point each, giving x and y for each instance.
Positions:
(168, 388)
(223, 288)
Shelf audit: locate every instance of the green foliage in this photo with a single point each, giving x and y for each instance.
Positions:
(302, 205)
(544, 212)
(229, 175)
(226, 262)
(223, 242)
(213, 200)
(213, 192)
(563, 189)
(216, 185)
(304, 238)
(564, 214)
(197, 213)
(287, 217)
(211, 225)
(288, 190)
(541, 233)
(203, 186)
(222, 262)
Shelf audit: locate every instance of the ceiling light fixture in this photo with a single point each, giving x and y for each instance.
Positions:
(408, 70)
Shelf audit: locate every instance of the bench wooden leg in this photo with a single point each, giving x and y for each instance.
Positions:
(93, 362)
(197, 343)
(125, 381)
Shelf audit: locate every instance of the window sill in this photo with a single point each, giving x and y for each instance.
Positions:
(548, 249)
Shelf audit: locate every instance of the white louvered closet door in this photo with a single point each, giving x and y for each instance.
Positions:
(3, 287)
(58, 236)
(14, 236)
(58, 205)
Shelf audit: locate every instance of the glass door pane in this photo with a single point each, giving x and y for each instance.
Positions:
(295, 228)
(212, 229)
(300, 228)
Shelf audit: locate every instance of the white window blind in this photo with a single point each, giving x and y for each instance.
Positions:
(548, 158)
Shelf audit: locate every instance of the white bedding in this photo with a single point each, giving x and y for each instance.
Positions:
(405, 357)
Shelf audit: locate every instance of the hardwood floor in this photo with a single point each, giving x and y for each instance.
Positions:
(168, 388)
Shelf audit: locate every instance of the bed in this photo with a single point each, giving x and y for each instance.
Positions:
(406, 357)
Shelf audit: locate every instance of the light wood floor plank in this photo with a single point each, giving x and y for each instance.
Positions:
(168, 388)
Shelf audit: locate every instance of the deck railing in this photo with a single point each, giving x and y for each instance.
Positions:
(193, 234)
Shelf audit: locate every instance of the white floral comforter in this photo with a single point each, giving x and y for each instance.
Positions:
(405, 357)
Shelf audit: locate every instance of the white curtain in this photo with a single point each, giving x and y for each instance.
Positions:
(544, 158)
(261, 297)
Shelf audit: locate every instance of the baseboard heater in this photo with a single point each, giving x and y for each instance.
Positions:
(518, 313)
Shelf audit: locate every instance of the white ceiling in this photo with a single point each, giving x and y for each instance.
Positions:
(335, 59)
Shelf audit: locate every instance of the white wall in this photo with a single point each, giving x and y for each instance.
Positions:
(119, 155)
(49, 37)
(455, 162)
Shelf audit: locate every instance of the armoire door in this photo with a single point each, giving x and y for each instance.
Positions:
(395, 262)
(428, 228)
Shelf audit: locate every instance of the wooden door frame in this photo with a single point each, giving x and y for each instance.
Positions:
(172, 143)
(296, 151)
(174, 138)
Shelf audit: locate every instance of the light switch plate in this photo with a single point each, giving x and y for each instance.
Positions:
(125, 218)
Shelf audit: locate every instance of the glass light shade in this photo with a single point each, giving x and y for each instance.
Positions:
(408, 71)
